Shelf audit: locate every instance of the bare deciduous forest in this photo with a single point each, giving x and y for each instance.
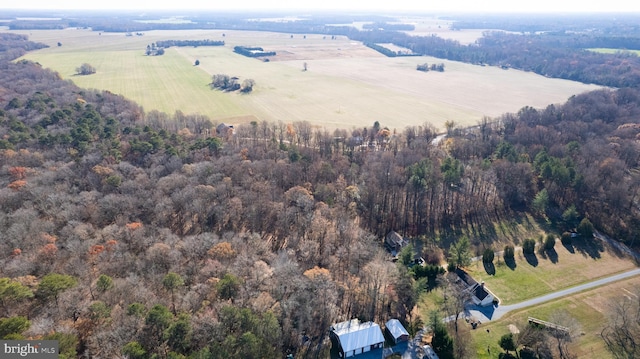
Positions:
(126, 233)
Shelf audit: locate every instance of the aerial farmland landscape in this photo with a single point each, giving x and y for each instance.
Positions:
(346, 82)
(381, 181)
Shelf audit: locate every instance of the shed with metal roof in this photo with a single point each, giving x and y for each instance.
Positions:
(355, 338)
(396, 331)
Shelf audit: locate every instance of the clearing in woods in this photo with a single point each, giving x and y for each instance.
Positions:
(346, 85)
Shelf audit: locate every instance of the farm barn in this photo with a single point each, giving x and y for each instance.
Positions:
(353, 337)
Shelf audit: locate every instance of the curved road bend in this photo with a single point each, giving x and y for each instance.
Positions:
(493, 313)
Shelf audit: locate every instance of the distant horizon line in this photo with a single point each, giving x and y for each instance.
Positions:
(291, 11)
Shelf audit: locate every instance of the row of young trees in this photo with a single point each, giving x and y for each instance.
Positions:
(193, 43)
(434, 67)
(253, 51)
(158, 48)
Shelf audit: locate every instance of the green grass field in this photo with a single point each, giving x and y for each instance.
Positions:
(589, 308)
(583, 262)
(533, 278)
(347, 84)
(614, 51)
(530, 279)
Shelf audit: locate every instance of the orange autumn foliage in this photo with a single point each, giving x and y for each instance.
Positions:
(9, 153)
(49, 250)
(18, 172)
(317, 272)
(96, 249)
(49, 238)
(16, 185)
(133, 225)
(222, 250)
(290, 130)
(102, 170)
(111, 244)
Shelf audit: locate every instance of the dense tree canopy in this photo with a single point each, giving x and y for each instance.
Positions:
(274, 229)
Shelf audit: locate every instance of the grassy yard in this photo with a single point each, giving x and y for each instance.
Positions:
(347, 84)
(545, 273)
(588, 308)
(429, 301)
(535, 276)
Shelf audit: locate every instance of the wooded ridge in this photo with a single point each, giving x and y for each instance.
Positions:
(125, 232)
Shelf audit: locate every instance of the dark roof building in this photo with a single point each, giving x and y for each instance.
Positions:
(395, 242)
(480, 294)
(224, 130)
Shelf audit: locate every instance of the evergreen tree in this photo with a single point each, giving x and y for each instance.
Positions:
(460, 253)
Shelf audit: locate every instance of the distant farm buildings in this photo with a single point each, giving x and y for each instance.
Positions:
(224, 130)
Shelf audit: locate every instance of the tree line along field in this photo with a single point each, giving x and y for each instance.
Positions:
(347, 84)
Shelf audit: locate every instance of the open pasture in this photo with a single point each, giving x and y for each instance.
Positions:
(347, 84)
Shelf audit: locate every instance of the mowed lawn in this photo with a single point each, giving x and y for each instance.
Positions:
(543, 274)
(347, 85)
(590, 309)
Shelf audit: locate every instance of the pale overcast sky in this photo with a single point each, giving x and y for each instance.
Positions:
(388, 5)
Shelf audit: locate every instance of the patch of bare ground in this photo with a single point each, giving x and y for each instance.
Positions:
(322, 51)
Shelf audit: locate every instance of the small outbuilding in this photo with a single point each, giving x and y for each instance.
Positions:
(396, 330)
(224, 130)
(353, 337)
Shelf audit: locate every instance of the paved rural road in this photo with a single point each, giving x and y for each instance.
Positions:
(492, 313)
